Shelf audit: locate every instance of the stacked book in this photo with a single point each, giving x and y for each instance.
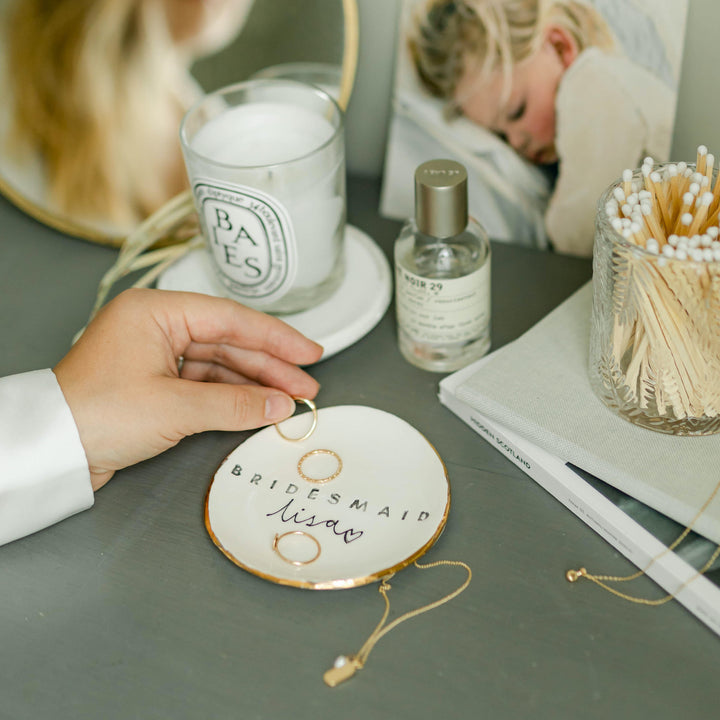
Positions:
(637, 488)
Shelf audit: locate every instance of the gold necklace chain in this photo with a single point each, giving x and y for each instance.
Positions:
(347, 665)
(602, 580)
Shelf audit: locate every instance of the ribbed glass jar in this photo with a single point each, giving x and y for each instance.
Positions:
(655, 332)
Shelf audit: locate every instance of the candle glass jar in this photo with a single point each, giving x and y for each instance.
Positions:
(324, 75)
(266, 162)
(655, 332)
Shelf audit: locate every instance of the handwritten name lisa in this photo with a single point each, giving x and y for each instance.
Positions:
(348, 536)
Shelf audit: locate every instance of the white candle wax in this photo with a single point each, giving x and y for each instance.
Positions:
(262, 133)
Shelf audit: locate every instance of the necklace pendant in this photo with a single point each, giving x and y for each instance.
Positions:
(343, 669)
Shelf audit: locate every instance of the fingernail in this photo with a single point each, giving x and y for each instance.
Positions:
(278, 407)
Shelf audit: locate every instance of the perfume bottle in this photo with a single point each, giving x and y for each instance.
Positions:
(442, 274)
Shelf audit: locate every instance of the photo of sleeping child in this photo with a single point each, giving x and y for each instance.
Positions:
(545, 102)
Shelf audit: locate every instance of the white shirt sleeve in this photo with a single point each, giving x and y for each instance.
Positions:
(44, 475)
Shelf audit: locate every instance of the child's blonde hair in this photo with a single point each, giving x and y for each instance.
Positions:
(493, 34)
(95, 93)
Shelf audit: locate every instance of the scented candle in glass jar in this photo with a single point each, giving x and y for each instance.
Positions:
(266, 162)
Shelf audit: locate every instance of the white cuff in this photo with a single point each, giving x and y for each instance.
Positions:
(44, 475)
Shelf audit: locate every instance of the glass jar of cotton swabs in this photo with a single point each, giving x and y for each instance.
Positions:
(655, 327)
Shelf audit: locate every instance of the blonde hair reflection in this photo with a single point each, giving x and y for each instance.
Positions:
(98, 89)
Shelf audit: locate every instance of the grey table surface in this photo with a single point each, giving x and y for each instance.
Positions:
(129, 611)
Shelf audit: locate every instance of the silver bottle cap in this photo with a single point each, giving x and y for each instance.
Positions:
(441, 207)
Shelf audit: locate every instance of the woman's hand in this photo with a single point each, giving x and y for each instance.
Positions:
(131, 402)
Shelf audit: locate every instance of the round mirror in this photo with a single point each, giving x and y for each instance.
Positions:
(94, 90)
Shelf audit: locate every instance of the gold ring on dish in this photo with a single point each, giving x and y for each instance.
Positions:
(319, 451)
(297, 563)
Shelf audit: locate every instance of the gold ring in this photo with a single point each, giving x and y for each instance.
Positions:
(319, 451)
(312, 407)
(297, 563)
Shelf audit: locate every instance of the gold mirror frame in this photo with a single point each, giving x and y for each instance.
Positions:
(56, 220)
(169, 225)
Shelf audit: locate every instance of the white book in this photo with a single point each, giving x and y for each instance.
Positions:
(611, 510)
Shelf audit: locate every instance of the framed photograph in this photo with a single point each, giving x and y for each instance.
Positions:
(545, 103)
